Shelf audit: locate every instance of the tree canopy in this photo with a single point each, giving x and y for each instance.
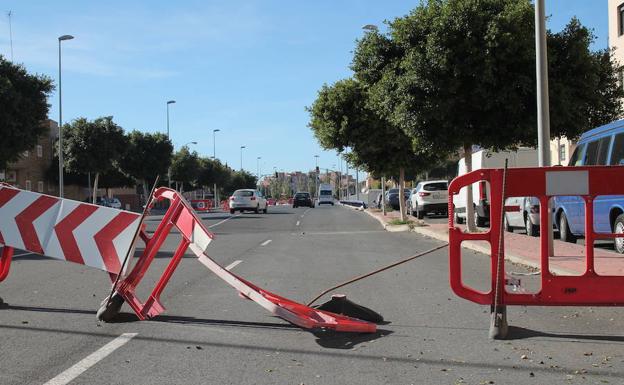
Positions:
(146, 156)
(23, 110)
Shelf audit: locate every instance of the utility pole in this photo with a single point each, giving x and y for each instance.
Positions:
(9, 14)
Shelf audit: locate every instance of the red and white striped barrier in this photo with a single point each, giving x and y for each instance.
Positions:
(64, 229)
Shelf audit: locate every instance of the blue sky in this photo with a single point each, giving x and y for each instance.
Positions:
(247, 68)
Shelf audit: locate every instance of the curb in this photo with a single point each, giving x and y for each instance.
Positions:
(511, 257)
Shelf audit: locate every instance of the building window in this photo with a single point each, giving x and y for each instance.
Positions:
(621, 20)
(40, 186)
(28, 185)
(39, 151)
(562, 152)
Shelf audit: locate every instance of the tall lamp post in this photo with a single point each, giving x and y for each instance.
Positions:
(168, 103)
(214, 156)
(258, 167)
(60, 39)
(241, 148)
(214, 143)
(169, 170)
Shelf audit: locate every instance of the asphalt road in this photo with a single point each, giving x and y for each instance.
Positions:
(208, 335)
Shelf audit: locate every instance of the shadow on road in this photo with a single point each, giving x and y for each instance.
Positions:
(519, 333)
(336, 340)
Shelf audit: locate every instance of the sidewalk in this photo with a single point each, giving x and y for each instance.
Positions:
(568, 259)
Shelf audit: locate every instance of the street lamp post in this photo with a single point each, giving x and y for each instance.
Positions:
(60, 143)
(241, 148)
(168, 103)
(214, 156)
(169, 170)
(258, 167)
(214, 143)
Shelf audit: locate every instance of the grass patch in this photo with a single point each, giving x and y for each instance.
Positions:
(397, 222)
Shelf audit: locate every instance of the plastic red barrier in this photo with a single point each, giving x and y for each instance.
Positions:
(589, 289)
(202, 205)
(196, 237)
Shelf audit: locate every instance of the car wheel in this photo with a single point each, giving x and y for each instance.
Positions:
(266, 209)
(232, 211)
(506, 225)
(457, 219)
(256, 210)
(294, 206)
(564, 230)
(618, 228)
(420, 214)
(531, 229)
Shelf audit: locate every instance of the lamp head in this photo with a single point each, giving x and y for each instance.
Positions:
(65, 37)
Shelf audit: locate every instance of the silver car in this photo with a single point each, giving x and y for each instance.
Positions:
(247, 200)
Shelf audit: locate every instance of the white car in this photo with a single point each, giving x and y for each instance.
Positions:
(248, 200)
(115, 203)
(429, 197)
(526, 214)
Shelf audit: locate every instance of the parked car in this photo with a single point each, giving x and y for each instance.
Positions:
(247, 200)
(601, 146)
(527, 216)
(523, 157)
(428, 197)
(393, 197)
(115, 203)
(302, 199)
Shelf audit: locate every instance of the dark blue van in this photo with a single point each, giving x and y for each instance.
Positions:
(599, 147)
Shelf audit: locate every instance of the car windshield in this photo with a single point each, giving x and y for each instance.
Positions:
(326, 192)
(439, 186)
(393, 191)
(243, 193)
(302, 195)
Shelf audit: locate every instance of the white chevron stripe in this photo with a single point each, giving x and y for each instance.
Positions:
(8, 212)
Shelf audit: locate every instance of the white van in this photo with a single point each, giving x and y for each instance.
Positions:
(326, 194)
(524, 157)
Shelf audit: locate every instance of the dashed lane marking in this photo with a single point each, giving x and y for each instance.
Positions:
(298, 223)
(232, 265)
(223, 221)
(265, 242)
(70, 374)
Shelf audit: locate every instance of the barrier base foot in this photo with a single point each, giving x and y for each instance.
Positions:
(109, 309)
(498, 323)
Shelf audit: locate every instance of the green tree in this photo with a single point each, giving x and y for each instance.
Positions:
(93, 146)
(23, 110)
(458, 73)
(146, 156)
(185, 167)
(342, 117)
(241, 180)
(213, 172)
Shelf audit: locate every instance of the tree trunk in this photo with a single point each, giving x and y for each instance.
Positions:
(95, 187)
(146, 191)
(402, 194)
(470, 212)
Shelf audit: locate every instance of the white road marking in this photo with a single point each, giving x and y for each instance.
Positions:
(223, 221)
(266, 242)
(232, 265)
(297, 223)
(70, 374)
(301, 216)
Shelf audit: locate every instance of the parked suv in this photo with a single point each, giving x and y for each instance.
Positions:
(527, 217)
(601, 146)
(393, 197)
(247, 200)
(429, 197)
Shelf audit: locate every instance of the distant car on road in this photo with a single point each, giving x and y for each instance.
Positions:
(302, 199)
(393, 197)
(247, 200)
(428, 197)
(326, 194)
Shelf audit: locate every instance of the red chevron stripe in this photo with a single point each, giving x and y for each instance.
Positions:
(64, 232)
(6, 194)
(104, 240)
(25, 219)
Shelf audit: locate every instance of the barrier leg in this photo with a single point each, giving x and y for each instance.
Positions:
(5, 262)
(498, 322)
